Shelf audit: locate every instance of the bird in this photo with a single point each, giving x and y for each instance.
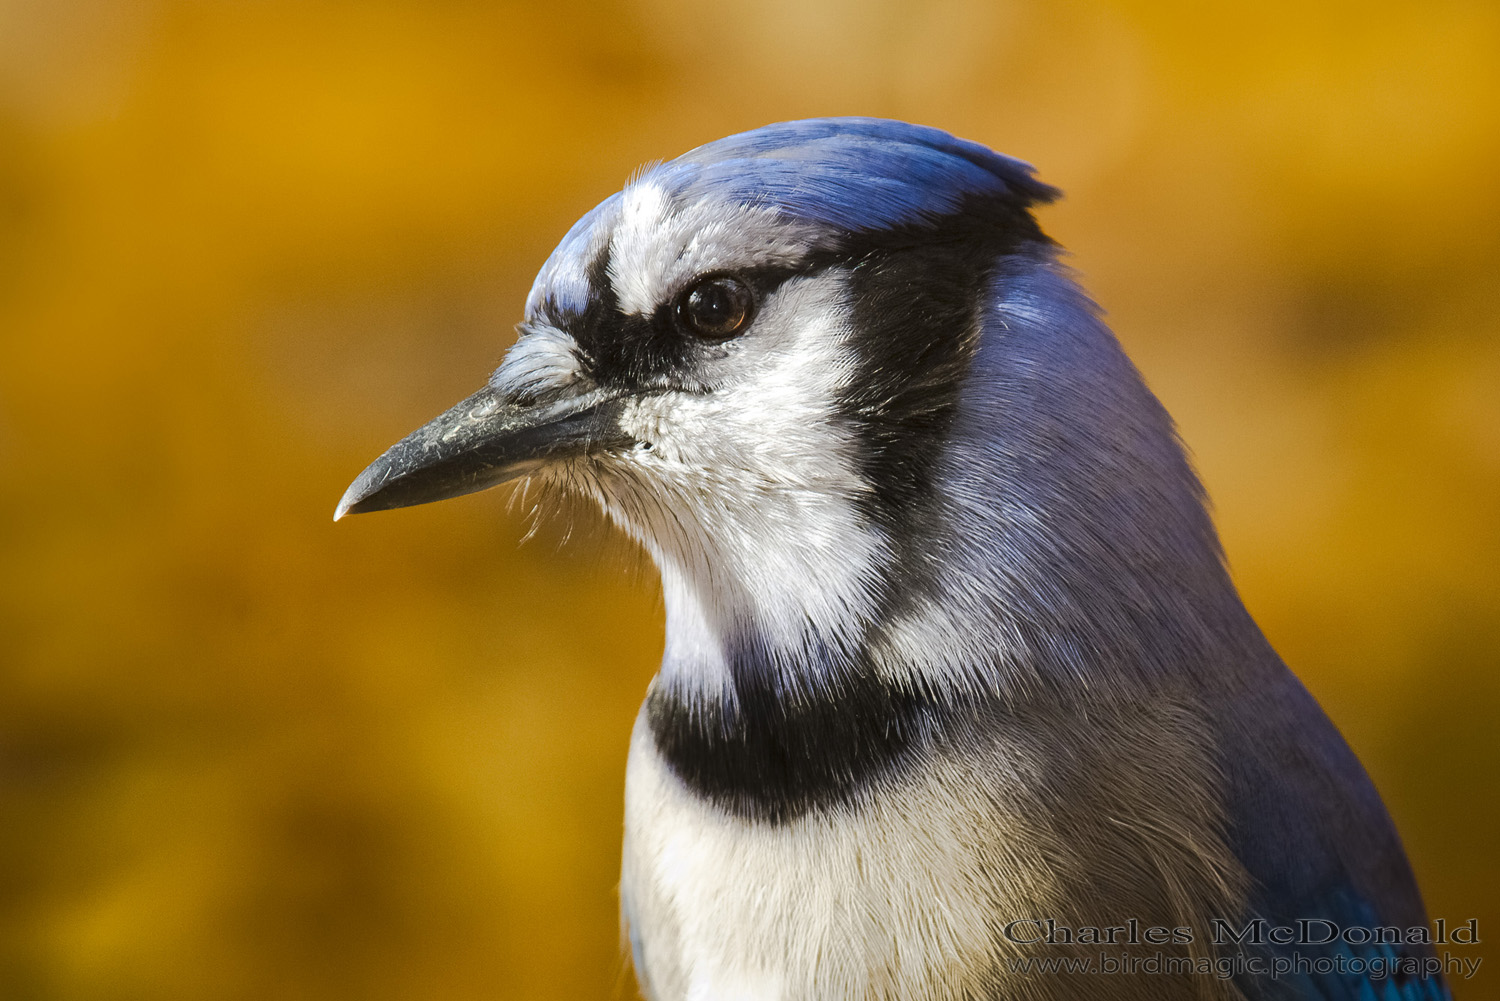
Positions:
(958, 699)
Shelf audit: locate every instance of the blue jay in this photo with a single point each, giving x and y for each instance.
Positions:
(958, 700)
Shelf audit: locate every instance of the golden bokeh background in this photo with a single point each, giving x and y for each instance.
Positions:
(246, 753)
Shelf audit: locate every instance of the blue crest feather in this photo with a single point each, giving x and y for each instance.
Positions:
(852, 174)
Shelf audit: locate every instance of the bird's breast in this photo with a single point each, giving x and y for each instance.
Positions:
(888, 899)
(903, 890)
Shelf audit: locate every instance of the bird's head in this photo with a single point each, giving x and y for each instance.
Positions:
(754, 358)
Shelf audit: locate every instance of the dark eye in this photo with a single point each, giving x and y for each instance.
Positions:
(718, 307)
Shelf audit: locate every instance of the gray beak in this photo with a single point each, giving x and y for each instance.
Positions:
(484, 441)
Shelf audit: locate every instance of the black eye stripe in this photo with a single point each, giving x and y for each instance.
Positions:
(620, 349)
(634, 352)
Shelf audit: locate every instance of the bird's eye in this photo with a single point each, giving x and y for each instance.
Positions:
(717, 307)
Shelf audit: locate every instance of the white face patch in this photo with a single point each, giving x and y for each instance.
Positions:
(542, 362)
(657, 248)
(747, 495)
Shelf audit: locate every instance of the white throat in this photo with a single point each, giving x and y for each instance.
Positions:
(749, 496)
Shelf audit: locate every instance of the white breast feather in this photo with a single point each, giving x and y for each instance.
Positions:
(895, 900)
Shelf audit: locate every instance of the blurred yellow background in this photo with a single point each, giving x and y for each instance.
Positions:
(246, 753)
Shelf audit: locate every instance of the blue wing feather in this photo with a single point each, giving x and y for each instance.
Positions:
(1339, 971)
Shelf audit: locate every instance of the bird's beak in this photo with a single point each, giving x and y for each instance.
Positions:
(484, 441)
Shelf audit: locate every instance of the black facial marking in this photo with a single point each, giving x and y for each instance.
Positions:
(635, 353)
(774, 756)
(617, 349)
(771, 755)
(915, 297)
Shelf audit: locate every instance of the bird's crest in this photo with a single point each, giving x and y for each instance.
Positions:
(852, 174)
